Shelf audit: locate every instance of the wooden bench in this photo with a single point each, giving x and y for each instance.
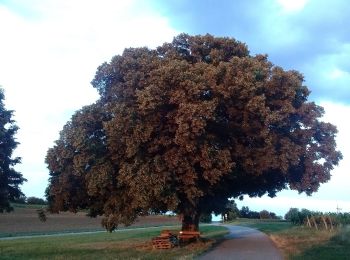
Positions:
(188, 236)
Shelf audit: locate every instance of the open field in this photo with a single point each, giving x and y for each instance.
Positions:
(25, 221)
(295, 241)
(123, 244)
(298, 242)
(128, 244)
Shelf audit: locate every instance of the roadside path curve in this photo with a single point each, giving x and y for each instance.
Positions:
(244, 243)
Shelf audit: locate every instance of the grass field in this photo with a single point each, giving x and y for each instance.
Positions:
(123, 244)
(296, 242)
(299, 242)
(130, 244)
(24, 221)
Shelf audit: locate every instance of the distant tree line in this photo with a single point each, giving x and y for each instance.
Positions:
(30, 200)
(245, 212)
(305, 216)
(232, 212)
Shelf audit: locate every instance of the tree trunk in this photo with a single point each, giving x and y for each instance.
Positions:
(190, 222)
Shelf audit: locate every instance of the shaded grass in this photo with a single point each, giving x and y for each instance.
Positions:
(130, 244)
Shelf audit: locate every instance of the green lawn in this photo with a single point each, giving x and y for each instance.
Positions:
(295, 241)
(266, 226)
(299, 242)
(338, 247)
(130, 244)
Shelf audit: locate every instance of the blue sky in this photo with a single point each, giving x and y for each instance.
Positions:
(311, 36)
(49, 52)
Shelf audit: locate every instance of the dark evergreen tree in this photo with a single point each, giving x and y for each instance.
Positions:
(10, 179)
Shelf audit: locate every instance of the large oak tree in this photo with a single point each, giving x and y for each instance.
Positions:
(184, 127)
(10, 179)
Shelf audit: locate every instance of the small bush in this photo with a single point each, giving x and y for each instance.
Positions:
(41, 215)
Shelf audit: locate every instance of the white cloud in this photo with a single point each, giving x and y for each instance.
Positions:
(292, 5)
(49, 53)
(336, 114)
(337, 73)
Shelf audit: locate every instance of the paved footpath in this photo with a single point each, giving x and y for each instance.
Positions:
(244, 243)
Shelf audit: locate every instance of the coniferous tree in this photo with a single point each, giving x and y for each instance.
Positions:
(10, 179)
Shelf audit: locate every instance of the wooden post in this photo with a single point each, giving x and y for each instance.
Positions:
(314, 221)
(330, 222)
(308, 222)
(324, 222)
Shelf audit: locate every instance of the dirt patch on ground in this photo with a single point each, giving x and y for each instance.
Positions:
(26, 221)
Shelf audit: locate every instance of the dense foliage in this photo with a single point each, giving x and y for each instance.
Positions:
(230, 212)
(264, 214)
(299, 217)
(10, 179)
(205, 218)
(35, 200)
(184, 127)
(20, 200)
(245, 212)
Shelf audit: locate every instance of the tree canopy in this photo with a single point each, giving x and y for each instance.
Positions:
(10, 179)
(186, 126)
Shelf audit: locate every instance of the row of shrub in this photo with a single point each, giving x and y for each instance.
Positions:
(245, 212)
(30, 200)
(299, 217)
(232, 212)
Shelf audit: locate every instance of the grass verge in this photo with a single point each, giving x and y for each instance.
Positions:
(130, 244)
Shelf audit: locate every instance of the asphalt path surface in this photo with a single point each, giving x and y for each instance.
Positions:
(244, 243)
